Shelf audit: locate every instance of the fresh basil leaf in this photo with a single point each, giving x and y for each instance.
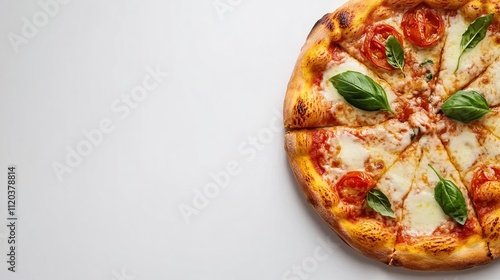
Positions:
(474, 34)
(451, 199)
(380, 203)
(361, 91)
(428, 77)
(395, 53)
(428, 61)
(466, 106)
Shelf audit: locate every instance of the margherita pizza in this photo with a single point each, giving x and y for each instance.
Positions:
(393, 129)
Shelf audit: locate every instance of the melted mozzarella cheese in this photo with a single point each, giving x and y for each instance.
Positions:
(352, 154)
(349, 64)
(473, 61)
(491, 147)
(488, 84)
(465, 148)
(457, 27)
(423, 213)
(492, 122)
(397, 181)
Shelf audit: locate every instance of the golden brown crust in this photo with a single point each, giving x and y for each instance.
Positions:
(305, 109)
(487, 198)
(350, 19)
(301, 108)
(476, 8)
(491, 228)
(440, 253)
(306, 104)
(368, 236)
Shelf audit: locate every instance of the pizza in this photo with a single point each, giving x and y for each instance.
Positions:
(392, 118)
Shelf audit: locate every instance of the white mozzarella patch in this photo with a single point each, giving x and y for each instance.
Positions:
(492, 122)
(491, 147)
(457, 27)
(473, 61)
(352, 154)
(349, 64)
(423, 213)
(488, 84)
(421, 121)
(397, 181)
(465, 148)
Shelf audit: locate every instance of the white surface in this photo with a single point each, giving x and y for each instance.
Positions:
(116, 215)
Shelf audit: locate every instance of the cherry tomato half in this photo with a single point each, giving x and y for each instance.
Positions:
(354, 186)
(423, 26)
(374, 45)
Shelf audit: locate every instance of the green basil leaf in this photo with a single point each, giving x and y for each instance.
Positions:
(428, 61)
(474, 34)
(428, 77)
(466, 106)
(380, 203)
(451, 199)
(361, 91)
(395, 53)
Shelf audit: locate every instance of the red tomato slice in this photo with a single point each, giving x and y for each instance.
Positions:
(423, 26)
(354, 186)
(374, 45)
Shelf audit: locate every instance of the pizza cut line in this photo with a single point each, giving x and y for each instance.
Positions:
(393, 129)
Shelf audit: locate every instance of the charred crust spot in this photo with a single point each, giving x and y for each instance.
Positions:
(301, 108)
(308, 180)
(327, 202)
(327, 22)
(344, 19)
(493, 228)
(301, 112)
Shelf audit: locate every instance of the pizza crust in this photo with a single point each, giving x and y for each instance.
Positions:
(463, 254)
(367, 236)
(302, 109)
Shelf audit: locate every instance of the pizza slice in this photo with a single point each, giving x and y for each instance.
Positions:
(491, 121)
(312, 100)
(396, 182)
(476, 154)
(487, 84)
(429, 238)
(472, 44)
(337, 168)
(469, 145)
(402, 45)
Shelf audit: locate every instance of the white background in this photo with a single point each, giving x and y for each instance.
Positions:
(116, 215)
